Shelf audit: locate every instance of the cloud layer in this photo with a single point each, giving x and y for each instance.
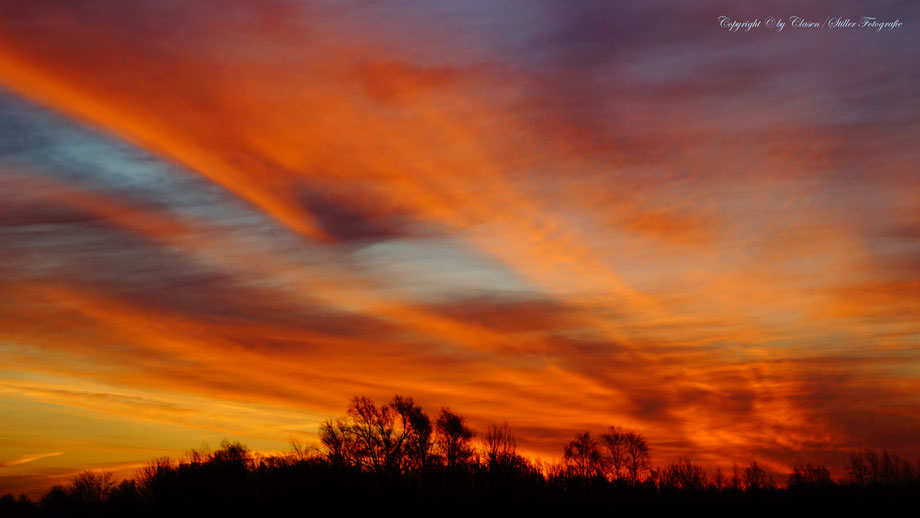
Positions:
(566, 218)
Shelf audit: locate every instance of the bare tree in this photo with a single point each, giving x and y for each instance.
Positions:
(755, 477)
(719, 481)
(736, 481)
(372, 428)
(232, 453)
(871, 467)
(381, 433)
(148, 475)
(386, 438)
(582, 456)
(301, 452)
(683, 475)
(857, 471)
(339, 439)
(613, 443)
(500, 447)
(92, 488)
(809, 475)
(892, 469)
(637, 455)
(453, 438)
(417, 430)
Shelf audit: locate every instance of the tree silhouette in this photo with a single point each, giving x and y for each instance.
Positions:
(499, 446)
(416, 425)
(613, 445)
(302, 452)
(339, 440)
(231, 453)
(500, 453)
(755, 478)
(637, 455)
(809, 475)
(373, 431)
(683, 475)
(870, 467)
(453, 438)
(736, 483)
(719, 481)
(387, 455)
(92, 488)
(380, 432)
(383, 439)
(582, 456)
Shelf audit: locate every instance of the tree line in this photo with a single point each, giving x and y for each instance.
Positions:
(395, 454)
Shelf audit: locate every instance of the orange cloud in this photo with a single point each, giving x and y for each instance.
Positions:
(29, 458)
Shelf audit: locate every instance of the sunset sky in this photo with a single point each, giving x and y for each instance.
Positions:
(225, 219)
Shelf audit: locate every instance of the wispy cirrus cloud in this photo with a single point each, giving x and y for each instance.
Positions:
(23, 459)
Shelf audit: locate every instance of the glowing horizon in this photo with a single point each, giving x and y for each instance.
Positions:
(226, 224)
